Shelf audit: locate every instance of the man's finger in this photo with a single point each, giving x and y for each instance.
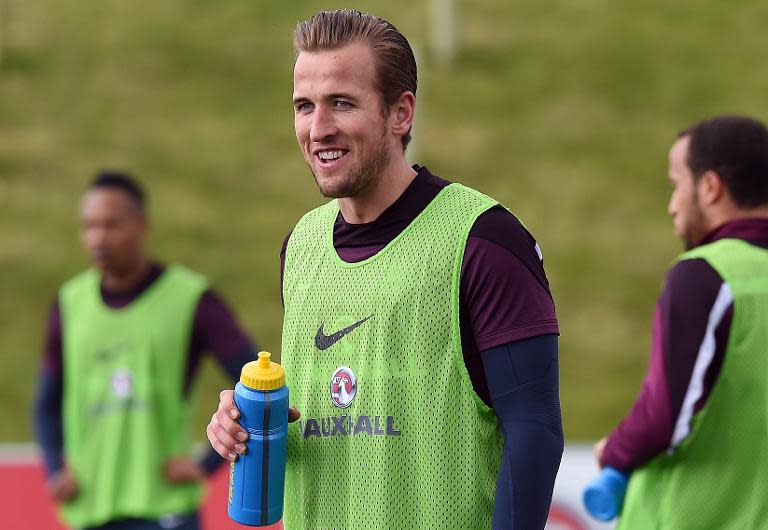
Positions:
(228, 437)
(219, 447)
(227, 404)
(223, 417)
(293, 414)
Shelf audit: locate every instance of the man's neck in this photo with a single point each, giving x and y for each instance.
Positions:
(734, 213)
(125, 281)
(385, 190)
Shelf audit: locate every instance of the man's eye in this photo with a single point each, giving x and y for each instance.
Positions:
(303, 107)
(341, 104)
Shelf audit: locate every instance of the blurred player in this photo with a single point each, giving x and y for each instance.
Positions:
(693, 438)
(125, 340)
(420, 336)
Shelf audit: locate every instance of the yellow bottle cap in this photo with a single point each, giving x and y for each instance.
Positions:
(263, 374)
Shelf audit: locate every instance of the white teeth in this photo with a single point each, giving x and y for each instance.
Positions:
(329, 155)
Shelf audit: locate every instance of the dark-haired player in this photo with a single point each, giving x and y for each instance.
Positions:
(694, 437)
(124, 344)
(420, 337)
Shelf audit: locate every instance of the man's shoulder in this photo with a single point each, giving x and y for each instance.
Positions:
(327, 208)
(500, 245)
(182, 278)
(497, 223)
(692, 280)
(314, 220)
(184, 272)
(501, 227)
(80, 280)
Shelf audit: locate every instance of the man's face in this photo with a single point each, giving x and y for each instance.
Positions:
(684, 207)
(339, 119)
(112, 230)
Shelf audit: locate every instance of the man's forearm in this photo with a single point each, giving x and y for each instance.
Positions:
(48, 423)
(523, 383)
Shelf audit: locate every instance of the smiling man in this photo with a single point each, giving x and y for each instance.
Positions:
(420, 336)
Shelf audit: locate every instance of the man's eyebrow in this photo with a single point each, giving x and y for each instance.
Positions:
(341, 95)
(328, 97)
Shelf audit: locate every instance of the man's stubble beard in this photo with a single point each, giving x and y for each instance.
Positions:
(360, 178)
(694, 232)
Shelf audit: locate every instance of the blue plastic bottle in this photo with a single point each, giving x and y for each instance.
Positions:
(604, 496)
(257, 478)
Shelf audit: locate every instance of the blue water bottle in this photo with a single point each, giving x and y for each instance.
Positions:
(257, 478)
(604, 496)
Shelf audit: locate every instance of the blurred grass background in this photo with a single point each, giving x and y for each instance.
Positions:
(563, 110)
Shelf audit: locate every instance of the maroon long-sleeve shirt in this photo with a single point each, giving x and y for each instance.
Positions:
(690, 308)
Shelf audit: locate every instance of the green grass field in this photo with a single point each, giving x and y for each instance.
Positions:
(562, 110)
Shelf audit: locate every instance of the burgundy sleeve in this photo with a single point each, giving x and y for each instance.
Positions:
(503, 294)
(504, 290)
(216, 330)
(52, 349)
(694, 307)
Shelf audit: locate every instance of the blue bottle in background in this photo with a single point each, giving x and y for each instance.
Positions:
(604, 496)
(257, 478)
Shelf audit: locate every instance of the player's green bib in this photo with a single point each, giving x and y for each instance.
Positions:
(716, 478)
(392, 434)
(124, 414)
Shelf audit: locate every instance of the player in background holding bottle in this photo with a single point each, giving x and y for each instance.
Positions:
(690, 439)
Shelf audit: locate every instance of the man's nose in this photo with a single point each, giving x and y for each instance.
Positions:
(96, 236)
(323, 125)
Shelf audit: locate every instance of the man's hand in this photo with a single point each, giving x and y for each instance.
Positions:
(598, 449)
(226, 435)
(62, 486)
(183, 469)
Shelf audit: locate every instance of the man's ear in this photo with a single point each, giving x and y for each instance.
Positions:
(711, 188)
(403, 111)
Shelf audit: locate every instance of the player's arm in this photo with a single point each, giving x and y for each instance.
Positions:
(48, 398)
(522, 378)
(47, 412)
(690, 330)
(217, 331)
(508, 308)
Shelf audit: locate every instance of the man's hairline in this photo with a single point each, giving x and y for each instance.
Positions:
(357, 40)
(139, 208)
(383, 100)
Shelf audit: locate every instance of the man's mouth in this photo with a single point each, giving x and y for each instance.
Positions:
(100, 255)
(330, 156)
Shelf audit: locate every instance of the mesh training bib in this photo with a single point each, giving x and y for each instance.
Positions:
(124, 414)
(716, 478)
(392, 434)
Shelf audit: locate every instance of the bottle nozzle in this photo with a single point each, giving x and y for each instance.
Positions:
(264, 361)
(262, 374)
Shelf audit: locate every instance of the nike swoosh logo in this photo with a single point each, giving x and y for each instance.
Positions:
(323, 341)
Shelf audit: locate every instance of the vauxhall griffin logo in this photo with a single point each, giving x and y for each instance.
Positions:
(343, 387)
(343, 390)
(323, 341)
